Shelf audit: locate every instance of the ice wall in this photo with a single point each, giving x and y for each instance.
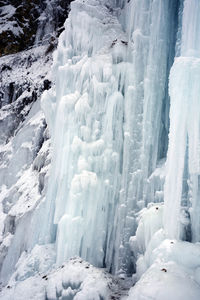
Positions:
(108, 118)
(182, 186)
(151, 27)
(91, 61)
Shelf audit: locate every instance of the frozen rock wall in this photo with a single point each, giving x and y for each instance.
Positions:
(24, 151)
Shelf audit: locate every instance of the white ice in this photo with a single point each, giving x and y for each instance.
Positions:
(106, 120)
(182, 185)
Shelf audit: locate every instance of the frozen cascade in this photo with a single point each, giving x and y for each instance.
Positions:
(91, 74)
(111, 197)
(146, 113)
(108, 118)
(182, 186)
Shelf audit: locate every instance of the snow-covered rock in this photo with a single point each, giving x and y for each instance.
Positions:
(24, 24)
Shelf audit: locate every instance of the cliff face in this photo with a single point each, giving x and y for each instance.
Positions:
(26, 23)
(28, 34)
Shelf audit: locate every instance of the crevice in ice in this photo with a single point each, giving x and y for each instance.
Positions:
(179, 28)
(185, 186)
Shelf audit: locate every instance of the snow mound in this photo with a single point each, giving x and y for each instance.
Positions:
(166, 268)
(75, 279)
(164, 282)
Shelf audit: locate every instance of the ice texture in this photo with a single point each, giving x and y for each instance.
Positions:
(108, 121)
(111, 198)
(182, 185)
(165, 268)
(76, 279)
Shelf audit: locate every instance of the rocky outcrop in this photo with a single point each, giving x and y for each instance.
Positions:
(29, 22)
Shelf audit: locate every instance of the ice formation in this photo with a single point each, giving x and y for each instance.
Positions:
(183, 166)
(76, 279)
(166, 268)
(110, 109)
(120, 194)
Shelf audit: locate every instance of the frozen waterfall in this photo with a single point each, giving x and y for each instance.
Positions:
(182, 186)
(108, 118)
(123, 186)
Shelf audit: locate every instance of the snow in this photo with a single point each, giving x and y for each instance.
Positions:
(22, 133)
(7, 12)
(166, 268)
(159, 284)
(75, 279)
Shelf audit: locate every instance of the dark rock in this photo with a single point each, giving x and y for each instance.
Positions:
(26, 19)
(164, 270)
(47, 84)
(5, 67)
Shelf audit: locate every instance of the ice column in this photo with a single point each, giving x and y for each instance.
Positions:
(107, 117)
(183, 159)
(85, 115)
(151, 28)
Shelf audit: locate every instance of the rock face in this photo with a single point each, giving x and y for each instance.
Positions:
(30, 27)
(24, 23)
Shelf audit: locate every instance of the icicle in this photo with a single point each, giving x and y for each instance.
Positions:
(184, 125)
(107, 116)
